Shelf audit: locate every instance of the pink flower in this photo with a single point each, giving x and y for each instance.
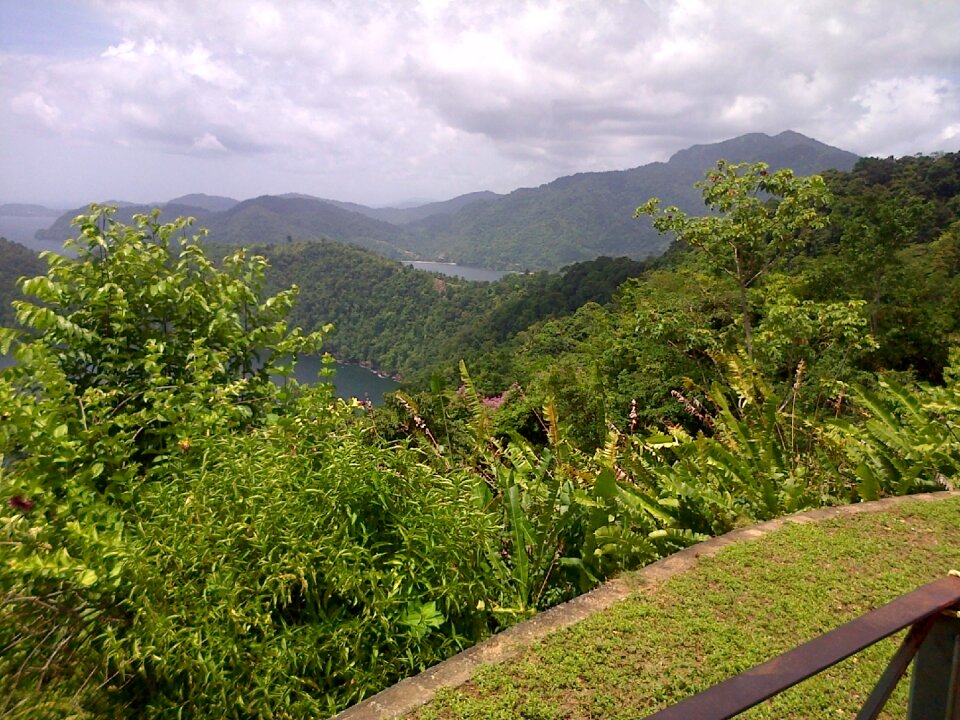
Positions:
(17, 502)
(495, 401)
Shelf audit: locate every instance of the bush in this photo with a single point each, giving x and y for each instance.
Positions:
(294, 570)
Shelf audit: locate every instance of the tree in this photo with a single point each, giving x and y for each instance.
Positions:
(132, 338)
(760, 217)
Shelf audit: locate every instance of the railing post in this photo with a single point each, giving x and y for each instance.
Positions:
(935, 686)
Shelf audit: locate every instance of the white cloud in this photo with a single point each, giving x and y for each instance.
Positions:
(208, 142)
(452, 97)
(746, 109)
(35, 106)
(925, 104)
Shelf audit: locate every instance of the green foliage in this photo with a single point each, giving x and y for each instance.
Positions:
(413, 323)
(183, 537)
(892, 244)
(131, 342)
(295, 570)
(761, 216)
(761, 459)
(568, 519)
(909, 441)
(130, 352)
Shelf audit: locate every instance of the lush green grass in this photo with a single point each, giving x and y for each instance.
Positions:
(747, 604)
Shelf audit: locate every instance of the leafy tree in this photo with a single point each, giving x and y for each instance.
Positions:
(761, 217)
(131, 339)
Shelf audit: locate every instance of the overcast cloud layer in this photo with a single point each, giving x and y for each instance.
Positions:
(385, 101)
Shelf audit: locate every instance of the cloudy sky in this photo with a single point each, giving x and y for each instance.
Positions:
(386, 101)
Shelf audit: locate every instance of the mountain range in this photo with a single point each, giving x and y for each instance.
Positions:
(571, 219)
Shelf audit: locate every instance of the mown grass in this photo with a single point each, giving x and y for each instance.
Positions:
(741, 607)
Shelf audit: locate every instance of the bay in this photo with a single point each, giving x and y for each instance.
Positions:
(462, 271)
(21, 228)
(348, 380)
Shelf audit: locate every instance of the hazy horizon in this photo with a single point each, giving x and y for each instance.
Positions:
(409, 203)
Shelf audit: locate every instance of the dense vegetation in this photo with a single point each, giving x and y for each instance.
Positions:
(876, 290)
(183, 537)
(407, 322)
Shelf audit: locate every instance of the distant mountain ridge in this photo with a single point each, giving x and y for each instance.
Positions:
(63, 229)
(571, 219)
(272, 219)
(582, 216)
(212, 203)
(27, 210)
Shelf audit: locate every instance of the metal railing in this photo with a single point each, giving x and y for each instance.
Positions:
(931, 613)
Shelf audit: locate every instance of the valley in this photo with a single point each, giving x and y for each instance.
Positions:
(551, 430)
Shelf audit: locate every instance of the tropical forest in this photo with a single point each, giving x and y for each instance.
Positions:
(187, 531)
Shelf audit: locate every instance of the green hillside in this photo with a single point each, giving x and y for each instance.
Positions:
(590, 214)
(409, 322)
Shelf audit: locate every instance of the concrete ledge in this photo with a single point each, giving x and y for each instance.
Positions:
(409, 694)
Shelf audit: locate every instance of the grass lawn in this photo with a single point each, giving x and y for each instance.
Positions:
(734, 610)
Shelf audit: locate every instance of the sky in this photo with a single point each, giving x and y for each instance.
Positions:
(384, 102)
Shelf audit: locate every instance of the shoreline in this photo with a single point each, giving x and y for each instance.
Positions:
(369, 365)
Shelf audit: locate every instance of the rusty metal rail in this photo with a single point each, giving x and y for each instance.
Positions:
(935, 694)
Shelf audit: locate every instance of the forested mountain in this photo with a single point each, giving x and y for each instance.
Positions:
(405, 215)
(16, 261)
(270, 219)
(407, 321)
(62, 228)
(789, 149)
(582, 216)
(876, 291)
(572, 219)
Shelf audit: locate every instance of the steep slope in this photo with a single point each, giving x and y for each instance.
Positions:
(407, 321)
(591, 214)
